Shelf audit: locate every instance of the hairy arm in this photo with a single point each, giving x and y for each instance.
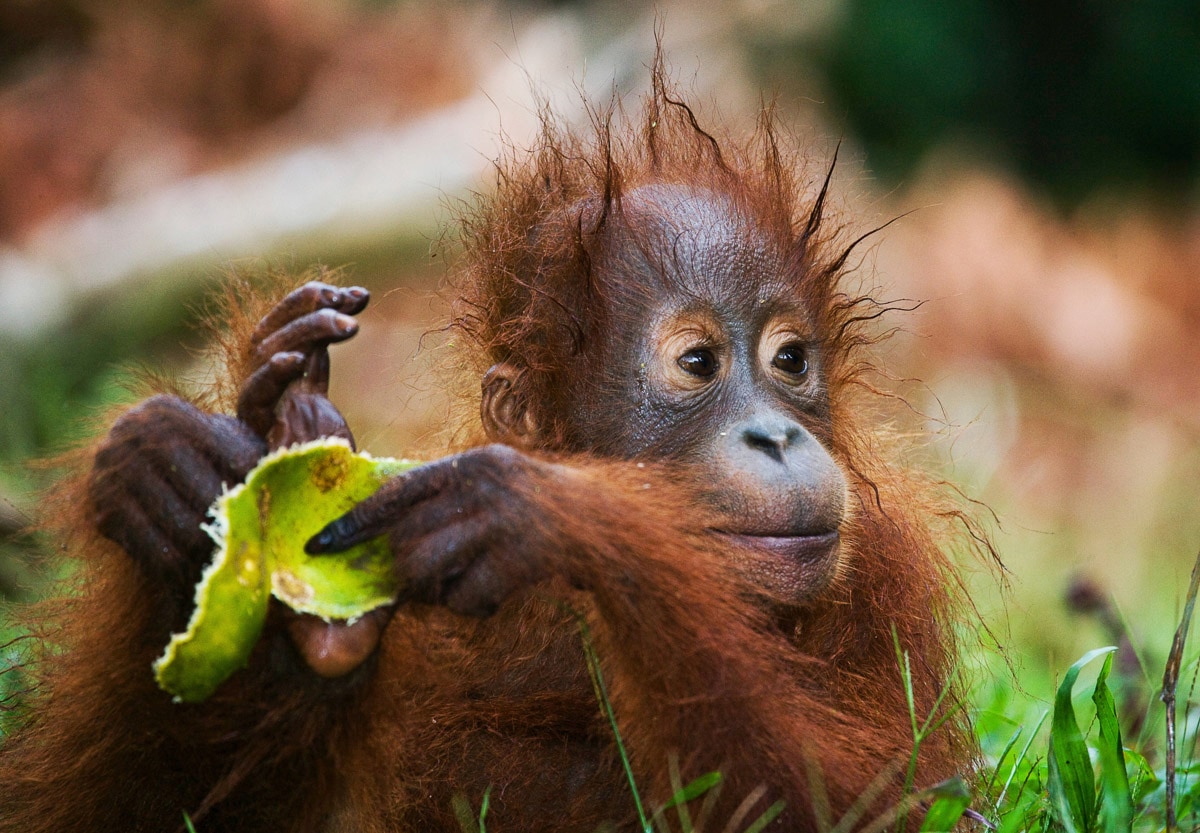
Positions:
(695, 666)
(103, 748)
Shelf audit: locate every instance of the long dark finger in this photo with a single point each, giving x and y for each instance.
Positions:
(354, 300)
(193, 476)
(313, 296)
(442, 559)
(301, 301)
(316, 373)
(375, 515)
(178, 520)
(149, 432)
(195, 453)
(317, 329)
(233, 449)
(302, 417)
(425, 517)
(146, 544)
(139, 429)
(261, 392)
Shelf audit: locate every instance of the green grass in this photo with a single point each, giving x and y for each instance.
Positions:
(1090, 762)
(1068, 764)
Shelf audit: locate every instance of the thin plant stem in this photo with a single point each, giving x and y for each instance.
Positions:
(1024, 751)
(593, 665)
(1170, 684)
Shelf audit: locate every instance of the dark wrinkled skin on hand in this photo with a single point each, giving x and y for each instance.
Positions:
(452, 527)
(160, 468)
(164, 463)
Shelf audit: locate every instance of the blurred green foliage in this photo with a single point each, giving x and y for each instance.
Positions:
(1076, 95)
(52, 381)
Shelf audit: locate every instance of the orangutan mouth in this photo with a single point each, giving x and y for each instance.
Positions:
(802, 549)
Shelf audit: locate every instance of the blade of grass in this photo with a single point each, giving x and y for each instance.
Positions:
(920, 732)
(743, 809)
(463, 813)
(709, 805)
(867, 797)
(907, 803)
(1008, 747)
(818, 795)
(769, 815)
(677, 800)
(684, 794)
(1116, 800)
(1071, 780)
(593, 666)
(1190, 729)
(1145, 779)
(1145, 724)
(693, 790)
(1020, 759)
(1018, 819)
(483, 809)
(468, 822)
(911, 774)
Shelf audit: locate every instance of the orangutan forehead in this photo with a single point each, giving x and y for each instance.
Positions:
(696, 240)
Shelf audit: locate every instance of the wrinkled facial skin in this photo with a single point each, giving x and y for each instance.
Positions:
(708, 360)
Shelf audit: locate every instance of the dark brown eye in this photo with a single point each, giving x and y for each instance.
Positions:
(698, 362)
(791, 359)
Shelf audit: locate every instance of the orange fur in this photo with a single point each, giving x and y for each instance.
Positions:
(452, 706)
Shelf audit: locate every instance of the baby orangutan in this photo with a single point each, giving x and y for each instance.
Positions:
(674, 446)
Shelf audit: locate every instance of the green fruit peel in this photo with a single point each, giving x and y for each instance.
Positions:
(260, 528)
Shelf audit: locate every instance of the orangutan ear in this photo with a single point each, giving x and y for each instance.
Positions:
(504, 409)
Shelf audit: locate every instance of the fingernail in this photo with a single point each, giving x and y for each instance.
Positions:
(320, 542)
(330, 296)
(346, 324)
(355, 299)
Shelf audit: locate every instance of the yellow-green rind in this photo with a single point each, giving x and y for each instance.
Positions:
(260, 528)
(231, 606)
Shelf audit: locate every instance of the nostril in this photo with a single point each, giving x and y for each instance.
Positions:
(769, 443)
(774, 437)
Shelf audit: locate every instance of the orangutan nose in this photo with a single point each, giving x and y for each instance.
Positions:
(771, 434)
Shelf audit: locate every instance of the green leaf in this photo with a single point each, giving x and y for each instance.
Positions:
(694, 789)
(951, 799)
(260, 528)
(1116, 800)
(1072, 784)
